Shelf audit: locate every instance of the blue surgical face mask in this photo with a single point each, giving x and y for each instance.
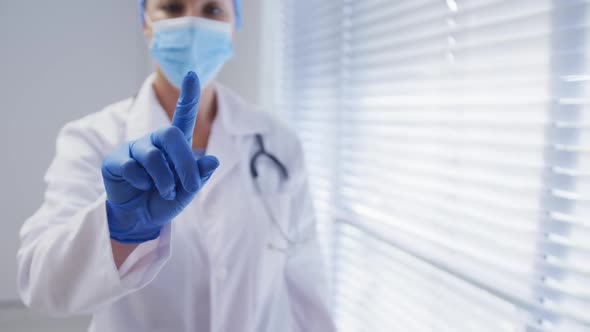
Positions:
(191, 43)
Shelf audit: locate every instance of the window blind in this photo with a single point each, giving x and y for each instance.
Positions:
(448, 146)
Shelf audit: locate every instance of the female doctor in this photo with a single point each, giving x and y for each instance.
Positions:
(144, 232)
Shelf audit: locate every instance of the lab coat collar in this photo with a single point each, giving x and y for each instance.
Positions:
(235, 115)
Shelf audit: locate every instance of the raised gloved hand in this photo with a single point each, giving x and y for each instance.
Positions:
(151, 180)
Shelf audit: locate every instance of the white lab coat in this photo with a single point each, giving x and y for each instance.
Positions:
(211, 269)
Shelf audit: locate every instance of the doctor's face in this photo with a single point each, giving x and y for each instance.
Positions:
(219, 10)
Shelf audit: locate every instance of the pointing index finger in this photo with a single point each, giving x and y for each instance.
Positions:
(186, 109)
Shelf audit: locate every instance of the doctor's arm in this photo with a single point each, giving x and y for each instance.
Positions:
(72, 249)
(65, 260)
(305, 270)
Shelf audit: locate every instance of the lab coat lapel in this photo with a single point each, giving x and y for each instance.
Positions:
(234, 122)
(223, 146)
(145, 114)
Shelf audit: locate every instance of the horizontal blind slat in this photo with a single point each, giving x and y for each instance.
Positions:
(512, 298)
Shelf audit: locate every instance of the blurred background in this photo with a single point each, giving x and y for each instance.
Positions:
(448, 145)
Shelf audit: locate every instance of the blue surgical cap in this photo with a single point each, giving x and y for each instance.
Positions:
(237, 7)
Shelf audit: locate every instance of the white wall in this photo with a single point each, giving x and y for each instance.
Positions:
(61, 60)
(244, 73)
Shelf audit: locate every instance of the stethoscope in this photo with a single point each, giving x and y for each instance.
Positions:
(284, 176)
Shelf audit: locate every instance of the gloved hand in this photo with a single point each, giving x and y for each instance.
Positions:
(151, 180)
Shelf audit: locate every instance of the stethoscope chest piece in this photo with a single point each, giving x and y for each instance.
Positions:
(270, 177)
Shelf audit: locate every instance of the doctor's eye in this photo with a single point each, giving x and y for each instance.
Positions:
(173, 8)
(213, 10)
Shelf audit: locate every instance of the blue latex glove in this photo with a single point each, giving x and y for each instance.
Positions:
(151, 180)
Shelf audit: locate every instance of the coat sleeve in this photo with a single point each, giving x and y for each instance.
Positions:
(65, 261)
(305, 275)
